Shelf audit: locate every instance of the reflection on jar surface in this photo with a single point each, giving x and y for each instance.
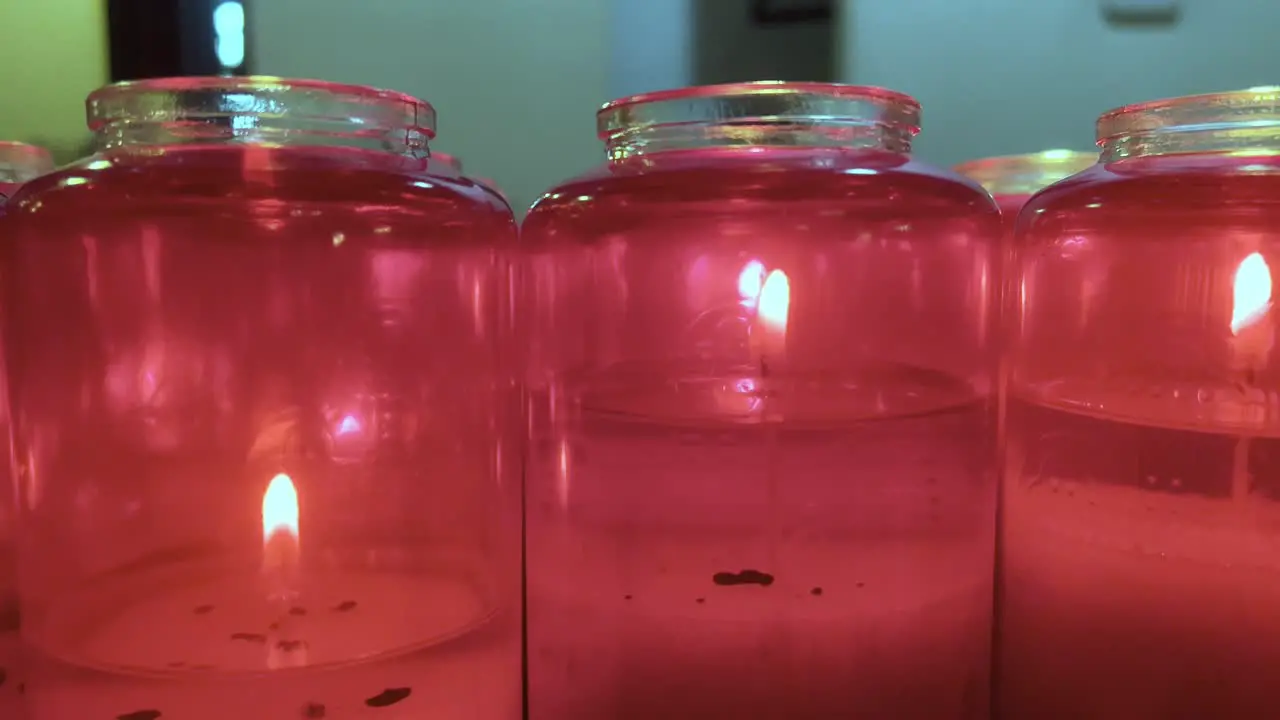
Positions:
(257, 415)
(760, 482)
(1140, 525)
(19, 163)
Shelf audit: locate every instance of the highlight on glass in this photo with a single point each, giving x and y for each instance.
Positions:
(1143, 452)
(262, 416)
(19, 163)
(1013, 179)
(760, 364)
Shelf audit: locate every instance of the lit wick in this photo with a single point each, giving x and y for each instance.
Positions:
(769, 327)
(1253, 337)
(280, 539)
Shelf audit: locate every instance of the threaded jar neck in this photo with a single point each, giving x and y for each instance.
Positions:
(1025, 174)
(258, 110)
(761, 114)
(1244, 122)
(20, 162)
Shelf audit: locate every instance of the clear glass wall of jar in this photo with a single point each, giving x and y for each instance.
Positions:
(20, 162)
(262, 414)
(760, 360)
(1141, 527)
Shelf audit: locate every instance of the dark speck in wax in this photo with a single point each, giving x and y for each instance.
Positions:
(3, 676)
(345, 606)
(139, 715)
(313, 710)
(816, 591)
(700, 600)
(862, 584)
(202, 609)
(745, 577)
(390, 696)
(290, 645)
(249, 637)
(626, 597)
(297, 611)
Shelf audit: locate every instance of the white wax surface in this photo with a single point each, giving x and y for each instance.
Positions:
(876, 620)
(224, 623)
(475, 677)
(163, 641)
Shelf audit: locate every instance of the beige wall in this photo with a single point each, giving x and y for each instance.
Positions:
(516, 82)
(1011, 76)
(52, 53)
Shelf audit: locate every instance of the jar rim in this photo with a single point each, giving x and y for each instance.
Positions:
(194, 98)
(1026, 172)
(1252, 107)
(771, 101)
(24, 160)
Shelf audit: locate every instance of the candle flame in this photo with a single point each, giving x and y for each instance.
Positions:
(280, 509)
(750, 283)
(1252, 293)
(775, 302)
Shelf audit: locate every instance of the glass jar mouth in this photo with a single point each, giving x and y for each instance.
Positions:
(222, 105)
(768, 103)
(20, 162)
(1225, 121)
(1026, 173)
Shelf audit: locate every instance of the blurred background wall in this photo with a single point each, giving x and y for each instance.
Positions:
(52, 53)
(517, 81)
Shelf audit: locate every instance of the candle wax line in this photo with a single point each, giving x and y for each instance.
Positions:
(771, 467)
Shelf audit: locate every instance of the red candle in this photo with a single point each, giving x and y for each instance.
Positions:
(263, 413)
(1140, 518)
(760, 410)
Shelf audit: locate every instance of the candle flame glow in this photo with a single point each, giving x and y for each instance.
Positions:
(280, 509)
(775, 302)
(750, 283)
(1251, 298)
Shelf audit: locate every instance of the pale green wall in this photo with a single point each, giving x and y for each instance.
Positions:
(516, 82)
(1012, 76)
(52, 53)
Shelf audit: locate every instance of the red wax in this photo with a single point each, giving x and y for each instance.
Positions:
(727, 518)
(187, 318)
(1139, 545)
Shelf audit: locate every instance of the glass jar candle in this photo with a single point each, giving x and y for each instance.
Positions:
(20, 162)
(760, 359)
(449, 162)
(1141, 527)
(261, 413)
(1013, 179)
